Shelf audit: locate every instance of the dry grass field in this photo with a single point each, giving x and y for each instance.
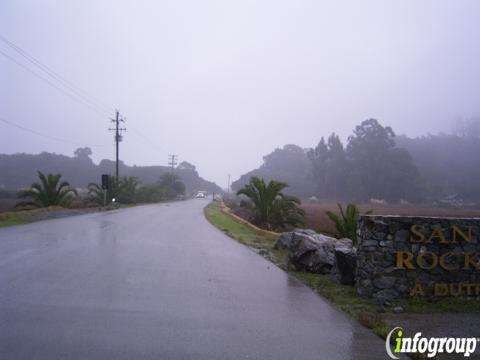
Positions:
(7, 204)
(317, 219)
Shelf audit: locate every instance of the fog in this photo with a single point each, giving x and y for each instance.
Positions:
(221, 83)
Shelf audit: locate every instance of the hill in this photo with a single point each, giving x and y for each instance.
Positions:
(20, 170)
(289, 164)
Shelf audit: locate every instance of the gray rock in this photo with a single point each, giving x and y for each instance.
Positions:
(370, 242)
(384, 296)
(344, 243)
(398, 310)
(345, 265)
(401, 236)
(284, 241)
(312, 253)
(315, 253)
(364, 291)
(384, 282)
(305, 231)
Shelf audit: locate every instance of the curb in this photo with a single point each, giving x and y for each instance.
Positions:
(226, 210)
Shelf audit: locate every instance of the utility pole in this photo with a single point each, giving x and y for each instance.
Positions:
(118, 138)
(228, 184)
(172, 161)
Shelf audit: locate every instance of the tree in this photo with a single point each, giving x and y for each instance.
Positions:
(179, 187)
(346, 223)
(402, 178)
(172, 184)
(368, 150)
(271, 208)
(84, 152)
(49, 192)
(96, 192)
(127, 190)
(337, 167)
(186, 166)
(18, 171)
(447, 164)
(318, 157)
(379, 169)
(123, 191)
(286, 212)
(467, 128)
(150, 193)
(371, 166)
(370, 135)
(289, 164)
(328, 167)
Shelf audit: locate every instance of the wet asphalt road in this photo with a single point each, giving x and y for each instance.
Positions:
(158, 282)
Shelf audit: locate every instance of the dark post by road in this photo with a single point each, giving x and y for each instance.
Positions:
(105, 186)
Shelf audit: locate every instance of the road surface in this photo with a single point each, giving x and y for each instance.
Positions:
(158, 282)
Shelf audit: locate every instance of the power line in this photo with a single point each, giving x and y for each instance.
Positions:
(74, 92)
(51, 83)
(11, 123)
(66, 83)
(151, 143)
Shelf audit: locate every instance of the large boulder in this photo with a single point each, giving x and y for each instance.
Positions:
(345, 265)
(314, 252)
(285, 240)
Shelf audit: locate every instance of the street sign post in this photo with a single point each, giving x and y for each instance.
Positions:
(105, 186)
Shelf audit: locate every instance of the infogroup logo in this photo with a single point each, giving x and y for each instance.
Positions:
(430, 346)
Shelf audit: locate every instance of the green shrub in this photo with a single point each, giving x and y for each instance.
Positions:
(346, 223)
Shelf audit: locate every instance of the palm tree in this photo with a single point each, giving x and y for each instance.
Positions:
(123, 190)
(49, 192)
(271, 208)
(346, 223)
(286, 211)
(96, 195)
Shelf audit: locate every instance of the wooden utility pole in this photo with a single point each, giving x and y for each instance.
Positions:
(118, 138)
(172, 161)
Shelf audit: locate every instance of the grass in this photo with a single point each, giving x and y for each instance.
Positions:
(442, 305)
(13, 220)
(10, 218)
(18, 217)
(317, 219)
(238, 231)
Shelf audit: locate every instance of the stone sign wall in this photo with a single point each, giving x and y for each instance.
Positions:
(400, 257)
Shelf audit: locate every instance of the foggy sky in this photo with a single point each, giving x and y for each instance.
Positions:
(222, 83)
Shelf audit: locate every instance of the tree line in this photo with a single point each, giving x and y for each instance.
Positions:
(370, 166)
(374, 163)
(51, 190)
(18, 171)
